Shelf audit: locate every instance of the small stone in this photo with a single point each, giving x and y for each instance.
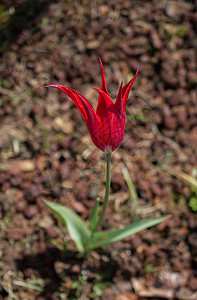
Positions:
(79, 207)
(158, 118)
(166, 110)
(162, 226)
(80, 45)
(81, 190)
(103, 9)
(26, 165)
(170, 122)
(192, 223)
(52, 232)
(41, 92)
(15, 181)
(65, 142)
(136, 241)
(32, 193)
(193, 283)
(143, 185)
(46, 222)
(76, 269)
(20, 205)
(31, 211)
(29, 272)
(128, 143)
(93, 193)
(156, 41)
(126, 296)
(65, 126)
(62, 269)
(155, 188)
(117, 182)
(107, 296)
(129, 270)
(3, 177)
(15, 233)
(55, 191)
(93, 44)
(181, 113)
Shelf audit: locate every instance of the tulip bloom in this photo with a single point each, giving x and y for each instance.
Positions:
(106, 125)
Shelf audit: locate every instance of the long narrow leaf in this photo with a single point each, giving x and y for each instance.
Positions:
(94, 215)
(104, 238)
(190, 180)
(133, 194)
(77, 229)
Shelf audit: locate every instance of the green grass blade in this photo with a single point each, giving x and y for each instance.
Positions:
(28, 285)
(133, 194)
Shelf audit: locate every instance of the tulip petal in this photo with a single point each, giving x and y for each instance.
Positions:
(117, 130)
(87, 112)
(112, 121)
(105, 103)
(119, 102)
(100, 105)
(77, 102)
(103, 85)
(126, 89)
(119, 119)
(104, 113)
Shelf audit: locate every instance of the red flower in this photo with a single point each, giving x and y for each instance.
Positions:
(106, 125)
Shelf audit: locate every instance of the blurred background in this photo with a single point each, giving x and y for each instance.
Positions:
(46, 151)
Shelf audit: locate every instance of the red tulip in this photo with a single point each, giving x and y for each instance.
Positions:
(106, 125)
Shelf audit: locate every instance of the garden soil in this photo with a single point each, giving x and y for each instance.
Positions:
(47, 154)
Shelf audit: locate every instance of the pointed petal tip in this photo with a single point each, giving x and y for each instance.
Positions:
(103, 93)
(101, 64)
(52, 85)
(103, 85)
(137, 70)
(121, 85)
(136, 73)
(119, 96)
(120, 89)
(134, 77)
(100, 60)
(100, 92)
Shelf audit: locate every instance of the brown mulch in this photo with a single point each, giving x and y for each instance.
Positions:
(46, 151)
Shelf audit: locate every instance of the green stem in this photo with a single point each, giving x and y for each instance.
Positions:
(107, 190)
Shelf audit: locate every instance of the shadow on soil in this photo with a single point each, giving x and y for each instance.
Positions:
(26, 15)
(42, 265)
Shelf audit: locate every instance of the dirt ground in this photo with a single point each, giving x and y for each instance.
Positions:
(46, 151)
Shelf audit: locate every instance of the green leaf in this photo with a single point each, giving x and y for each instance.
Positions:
(94, 215)
(77, 229)
(107, 237)
(193, 203)
(133, 194)
(98, 289)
